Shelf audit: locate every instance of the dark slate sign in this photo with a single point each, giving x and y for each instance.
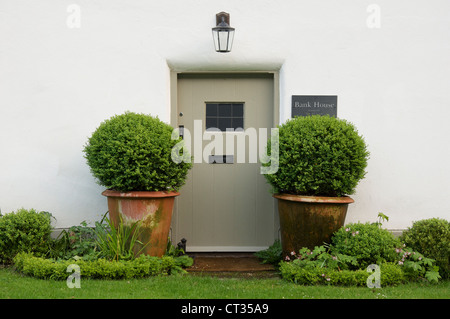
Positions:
(305, 105)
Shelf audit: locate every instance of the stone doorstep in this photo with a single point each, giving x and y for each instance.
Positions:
(228, 262)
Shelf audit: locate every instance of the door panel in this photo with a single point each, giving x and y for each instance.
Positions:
(225, 207)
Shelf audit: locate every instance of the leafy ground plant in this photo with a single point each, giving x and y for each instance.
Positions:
(271, 255)
(119, 242)
(77, 241)
(416, 265)
(321, 257)
(105, 240)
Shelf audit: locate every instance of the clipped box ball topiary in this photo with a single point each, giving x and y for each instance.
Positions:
(319, 156)
(131, 155)
(320, 160)
(132, 152)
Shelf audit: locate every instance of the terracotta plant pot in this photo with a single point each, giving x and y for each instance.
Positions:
(309, 221)
(154, 209)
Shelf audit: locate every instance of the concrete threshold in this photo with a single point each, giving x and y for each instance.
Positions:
(229, 262)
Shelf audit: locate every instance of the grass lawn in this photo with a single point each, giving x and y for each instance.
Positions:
(16, 286)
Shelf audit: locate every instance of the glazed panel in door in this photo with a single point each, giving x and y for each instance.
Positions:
(225, 206)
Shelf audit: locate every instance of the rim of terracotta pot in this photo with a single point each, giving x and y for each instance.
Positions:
(139, 194)
(315, 199)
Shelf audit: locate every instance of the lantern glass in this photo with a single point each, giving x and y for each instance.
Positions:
(223, 39)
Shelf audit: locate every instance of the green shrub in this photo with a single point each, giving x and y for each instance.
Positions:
(142, 266)
(390, 274)
(431, 237)
(132, 152)
(24, 231)
(318, 155)
(368, 243)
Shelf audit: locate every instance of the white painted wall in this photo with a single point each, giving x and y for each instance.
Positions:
(58, 83)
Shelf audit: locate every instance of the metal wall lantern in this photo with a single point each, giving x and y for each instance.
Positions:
(223, 34)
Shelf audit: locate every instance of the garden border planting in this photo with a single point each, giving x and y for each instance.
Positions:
(140, 267)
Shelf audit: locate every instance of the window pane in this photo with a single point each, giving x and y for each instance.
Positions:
(238, 110)
(211, 122)
(238, 123)
(224, 123)
(224, 110)
(211, 109)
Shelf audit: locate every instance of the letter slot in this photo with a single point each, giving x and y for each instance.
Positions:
(221, 159)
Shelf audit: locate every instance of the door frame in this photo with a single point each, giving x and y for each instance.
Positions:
(174, 90)
(174, 75)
